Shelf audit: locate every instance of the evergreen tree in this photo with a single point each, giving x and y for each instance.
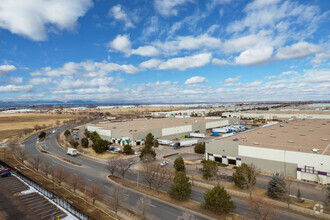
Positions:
(42, 134)
(94, 136)
(200, 148)
(128, 149)
(156, 144)
(67, 133)
(179, 165)
(210, 168)
(218, 200)
(149, 141)
(84, 142)
(276, 188)
(181, 187)
(100, 145)
(86, 133)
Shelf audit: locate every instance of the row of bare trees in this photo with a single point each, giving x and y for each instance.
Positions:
(120, 166)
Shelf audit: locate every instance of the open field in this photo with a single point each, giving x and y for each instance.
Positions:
(14, 124)
(138, 109)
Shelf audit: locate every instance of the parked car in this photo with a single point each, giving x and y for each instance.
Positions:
(164, 163)
(111, 148)
(72, 152)
(4, 172)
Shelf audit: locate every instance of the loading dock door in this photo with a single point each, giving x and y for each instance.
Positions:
(218, 159)
(231, 161)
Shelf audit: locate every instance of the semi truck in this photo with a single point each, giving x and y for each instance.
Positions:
(164, 142)
(197, 135)
(184, 143)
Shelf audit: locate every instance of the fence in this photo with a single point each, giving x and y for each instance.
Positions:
(65, 204)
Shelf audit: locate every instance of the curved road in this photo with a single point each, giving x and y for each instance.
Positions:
(96, 171)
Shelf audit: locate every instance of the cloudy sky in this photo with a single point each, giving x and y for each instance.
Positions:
(164, 50)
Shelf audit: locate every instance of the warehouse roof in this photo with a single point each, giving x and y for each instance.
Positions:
(312, 112)
(146, 125)
(294, 135)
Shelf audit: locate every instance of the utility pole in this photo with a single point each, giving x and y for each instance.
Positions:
(137, 180)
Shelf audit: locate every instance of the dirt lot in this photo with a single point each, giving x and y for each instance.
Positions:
(13, 124)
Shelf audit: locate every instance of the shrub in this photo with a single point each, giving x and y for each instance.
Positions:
(128, 149)
(179, 165)
(74, 143)
(200, 148)
(87, 133)
(42, 134)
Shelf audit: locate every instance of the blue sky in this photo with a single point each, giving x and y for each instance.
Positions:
(164, 50)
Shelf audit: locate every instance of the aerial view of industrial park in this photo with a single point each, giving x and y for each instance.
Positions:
(164, 110)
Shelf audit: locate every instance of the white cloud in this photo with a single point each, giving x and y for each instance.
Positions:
(16, 80)
(254, 83)
(195, 80)
(321, 57)
(316, 76)
(71, 83)
(169, 7)
(150, 64)
(221, 62)
(121, 43)
(15, 89)
(119, 14)
(4, 69)
(254, 56)
(40, 81)
(287, 73)
(146, 51)
(183, 63)
(298, 50)
(232, 80)
(87, 68)
(34, 18)
(257, 4)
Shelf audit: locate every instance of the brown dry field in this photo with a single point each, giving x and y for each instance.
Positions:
(138, 109)
(13, 124)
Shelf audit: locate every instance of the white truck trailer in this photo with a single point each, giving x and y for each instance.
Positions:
(184, 143)
(164, 142)
(197, 135)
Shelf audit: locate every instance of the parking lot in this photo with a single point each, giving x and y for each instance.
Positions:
(30, 202)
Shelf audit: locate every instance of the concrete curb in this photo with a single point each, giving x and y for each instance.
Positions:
(270, 201)
(162, 201)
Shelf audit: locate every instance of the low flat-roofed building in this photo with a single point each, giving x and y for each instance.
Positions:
(134, 132)
(296, 148)
(278, 115)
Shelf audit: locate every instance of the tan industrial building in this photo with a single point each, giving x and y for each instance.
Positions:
(133, 132)
(295, 148)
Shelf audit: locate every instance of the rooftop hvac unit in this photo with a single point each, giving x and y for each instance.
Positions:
(315, 150)
(114, 127)
(256, 143)
(290, 141)
(235, 139)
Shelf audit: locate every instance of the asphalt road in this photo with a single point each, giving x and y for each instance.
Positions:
(96, 171)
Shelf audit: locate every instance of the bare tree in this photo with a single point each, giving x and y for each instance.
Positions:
(186, 216)
(260, 209)
(148, 172)
(36, 161)
(118, 197)
(112, 166)
(142, 205)
(288, 184)
(95, 191)
(76, 180)
(326, 196)
(161, 176)
(47, 166)
(60, 174)
(249, 176)
(57, 122)
(19, 152)
(123, 166)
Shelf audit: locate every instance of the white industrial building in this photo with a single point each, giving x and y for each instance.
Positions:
(296, 148)
(134, 132)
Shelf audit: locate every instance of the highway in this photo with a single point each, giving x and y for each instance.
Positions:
(96, 171)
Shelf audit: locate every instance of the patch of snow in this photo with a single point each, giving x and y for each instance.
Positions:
(4, 141)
